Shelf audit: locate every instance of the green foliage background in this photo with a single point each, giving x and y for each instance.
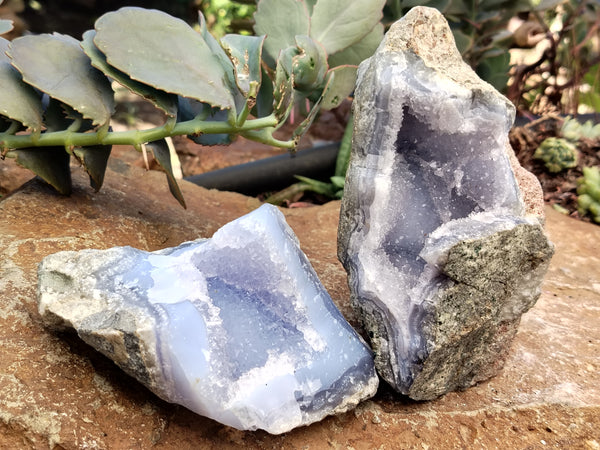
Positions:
(227, 16)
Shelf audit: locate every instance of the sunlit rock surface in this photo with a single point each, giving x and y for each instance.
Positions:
(443, 254)
(237, 327)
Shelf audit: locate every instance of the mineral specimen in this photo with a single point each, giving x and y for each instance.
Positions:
(442, 252)
(237, 327)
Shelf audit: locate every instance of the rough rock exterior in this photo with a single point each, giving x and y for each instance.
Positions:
(237, 327)
(443, 252)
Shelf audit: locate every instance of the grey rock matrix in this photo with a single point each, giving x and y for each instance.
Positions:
(237, 327)
(440, 232)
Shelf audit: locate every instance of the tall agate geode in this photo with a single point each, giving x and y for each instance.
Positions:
(440, 229)
(237, 327)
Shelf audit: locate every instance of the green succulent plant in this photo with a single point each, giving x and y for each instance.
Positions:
(589, 193)
(573, 130)
(558, 154)
(56, 97)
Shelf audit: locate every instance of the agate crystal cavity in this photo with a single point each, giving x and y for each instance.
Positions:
(441, 240)
(237, 327)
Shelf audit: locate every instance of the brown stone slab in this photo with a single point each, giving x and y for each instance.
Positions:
(57, 393)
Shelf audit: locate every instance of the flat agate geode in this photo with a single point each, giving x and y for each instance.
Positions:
(237, 327)
(440, 230)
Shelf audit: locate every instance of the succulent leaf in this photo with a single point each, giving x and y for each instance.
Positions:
(329, 94)
(164, 52)
(307, 122)
(246, 54)
(18, 100)
(309, 66)
(51, 164)
(162, 154)
(94, 160)
(56, 65)
(338, 24)
(283, 90)
(340, 86)
(226, 63)
(281, 21)
(166, 102)
(359, 51)
(264, 99)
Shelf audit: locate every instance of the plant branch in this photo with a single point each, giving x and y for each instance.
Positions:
(265, 136)
(137, 137)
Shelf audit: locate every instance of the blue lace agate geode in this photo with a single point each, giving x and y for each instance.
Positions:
(442, 251)
(237, 327)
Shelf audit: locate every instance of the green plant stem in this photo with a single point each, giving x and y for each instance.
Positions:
(265, 136)
(257, 129)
